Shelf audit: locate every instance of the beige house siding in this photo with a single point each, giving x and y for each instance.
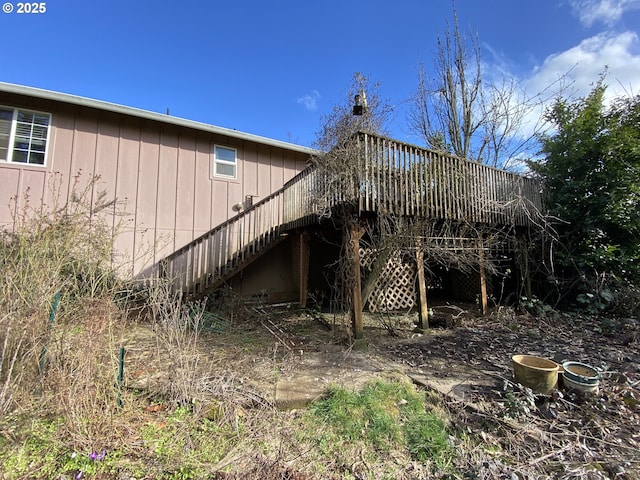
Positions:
(160, 173)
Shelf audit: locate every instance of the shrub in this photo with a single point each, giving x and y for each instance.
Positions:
(62, 250)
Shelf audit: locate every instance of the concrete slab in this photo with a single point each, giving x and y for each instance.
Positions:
(318, 370)
(352, 369)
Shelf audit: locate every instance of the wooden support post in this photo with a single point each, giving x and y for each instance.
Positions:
(304, 268)
(523, 263)
(483, 279)
(423, 321)
(355, 233)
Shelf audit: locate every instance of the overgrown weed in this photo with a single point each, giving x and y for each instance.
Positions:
(64, 410)
(64, 250)
(64, 413)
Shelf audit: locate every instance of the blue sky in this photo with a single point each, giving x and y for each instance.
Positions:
(274, 67)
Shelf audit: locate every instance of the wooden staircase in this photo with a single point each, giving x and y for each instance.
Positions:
(208, 261)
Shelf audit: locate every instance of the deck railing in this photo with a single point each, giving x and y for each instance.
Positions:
(407, 180)
(385, 176)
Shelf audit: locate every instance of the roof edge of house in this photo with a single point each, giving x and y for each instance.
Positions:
(148, 115)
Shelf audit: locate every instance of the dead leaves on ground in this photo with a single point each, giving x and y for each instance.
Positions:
(561, 435)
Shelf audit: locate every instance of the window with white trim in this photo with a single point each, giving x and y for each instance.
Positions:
(225, 162)
(24, 136)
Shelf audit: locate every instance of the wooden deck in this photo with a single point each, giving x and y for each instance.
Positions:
(385, 176)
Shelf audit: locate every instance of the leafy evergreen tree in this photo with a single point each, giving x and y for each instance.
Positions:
(591, 173)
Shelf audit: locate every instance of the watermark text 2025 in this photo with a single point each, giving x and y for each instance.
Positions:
(28, 8)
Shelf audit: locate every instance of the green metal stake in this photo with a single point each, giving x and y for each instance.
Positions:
(120, 376)
(52, 316)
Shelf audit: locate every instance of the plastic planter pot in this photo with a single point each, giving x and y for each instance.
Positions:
(583, 388)
(539, 374)
(580, 373)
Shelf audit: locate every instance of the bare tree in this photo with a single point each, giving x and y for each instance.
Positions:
(341, 124)
(459, 110)
(338, 160)
(444, 113)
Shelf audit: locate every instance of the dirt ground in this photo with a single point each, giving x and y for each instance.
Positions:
(465, 357)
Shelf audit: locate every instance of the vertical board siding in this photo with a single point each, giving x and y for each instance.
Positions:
(264, 172)
(126, 195)
(160, 174)
(185, 189)
(202, 212)
(277, 171)
(83, 155)
(146, 200)
(250, 173)
(61, 150)
(10, 180)
(32, 185)
(167, 184)
(106, 168)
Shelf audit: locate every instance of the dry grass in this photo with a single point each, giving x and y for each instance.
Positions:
(60, 391)
(64, 251)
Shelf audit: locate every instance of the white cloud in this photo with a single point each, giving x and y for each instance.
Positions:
(583, 64)
(606, 11)
(574, 72)
(310, 100)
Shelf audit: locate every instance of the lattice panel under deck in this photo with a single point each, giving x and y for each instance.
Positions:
(395, 288)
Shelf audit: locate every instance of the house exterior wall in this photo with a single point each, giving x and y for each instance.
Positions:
(161, 175)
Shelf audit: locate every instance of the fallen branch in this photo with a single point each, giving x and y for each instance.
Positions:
(280, 340)
(549, 455)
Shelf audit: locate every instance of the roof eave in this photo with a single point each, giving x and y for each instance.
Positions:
(148, 115)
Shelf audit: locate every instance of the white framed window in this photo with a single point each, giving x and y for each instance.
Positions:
(225, 161)
(24, 135)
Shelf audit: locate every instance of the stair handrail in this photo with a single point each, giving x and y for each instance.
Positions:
(200, 263)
